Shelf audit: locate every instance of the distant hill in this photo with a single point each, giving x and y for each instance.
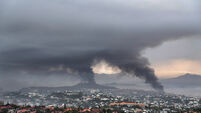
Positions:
(79, 86)
(122, 84)
(91, 86)
(184, 81)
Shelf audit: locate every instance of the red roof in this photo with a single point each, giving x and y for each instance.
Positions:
(22, 111)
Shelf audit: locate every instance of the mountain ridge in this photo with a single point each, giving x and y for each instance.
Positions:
(186, 80)
(63, 88)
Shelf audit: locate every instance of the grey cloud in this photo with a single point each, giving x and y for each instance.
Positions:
(36, 35)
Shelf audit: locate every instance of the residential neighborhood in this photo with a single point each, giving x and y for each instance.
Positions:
(97, 101)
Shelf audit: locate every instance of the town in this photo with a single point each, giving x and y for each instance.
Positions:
(97, 101)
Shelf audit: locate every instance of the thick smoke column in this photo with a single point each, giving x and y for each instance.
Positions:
(132, 64)
(64, 37)
(144, 72)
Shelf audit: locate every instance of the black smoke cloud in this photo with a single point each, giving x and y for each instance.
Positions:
(64, 37)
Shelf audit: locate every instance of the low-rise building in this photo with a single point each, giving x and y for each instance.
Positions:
(1, 102)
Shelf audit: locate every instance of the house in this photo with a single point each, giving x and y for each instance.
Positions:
(1, 102)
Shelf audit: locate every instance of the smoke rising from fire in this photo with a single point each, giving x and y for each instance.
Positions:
(43, 37)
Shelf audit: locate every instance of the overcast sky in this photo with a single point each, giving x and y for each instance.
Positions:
(75, 39)
(175, 58)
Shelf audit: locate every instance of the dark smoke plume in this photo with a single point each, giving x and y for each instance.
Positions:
(64, 37)
(132, 64)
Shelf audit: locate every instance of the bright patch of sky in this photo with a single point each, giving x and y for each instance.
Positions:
(174, 58)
